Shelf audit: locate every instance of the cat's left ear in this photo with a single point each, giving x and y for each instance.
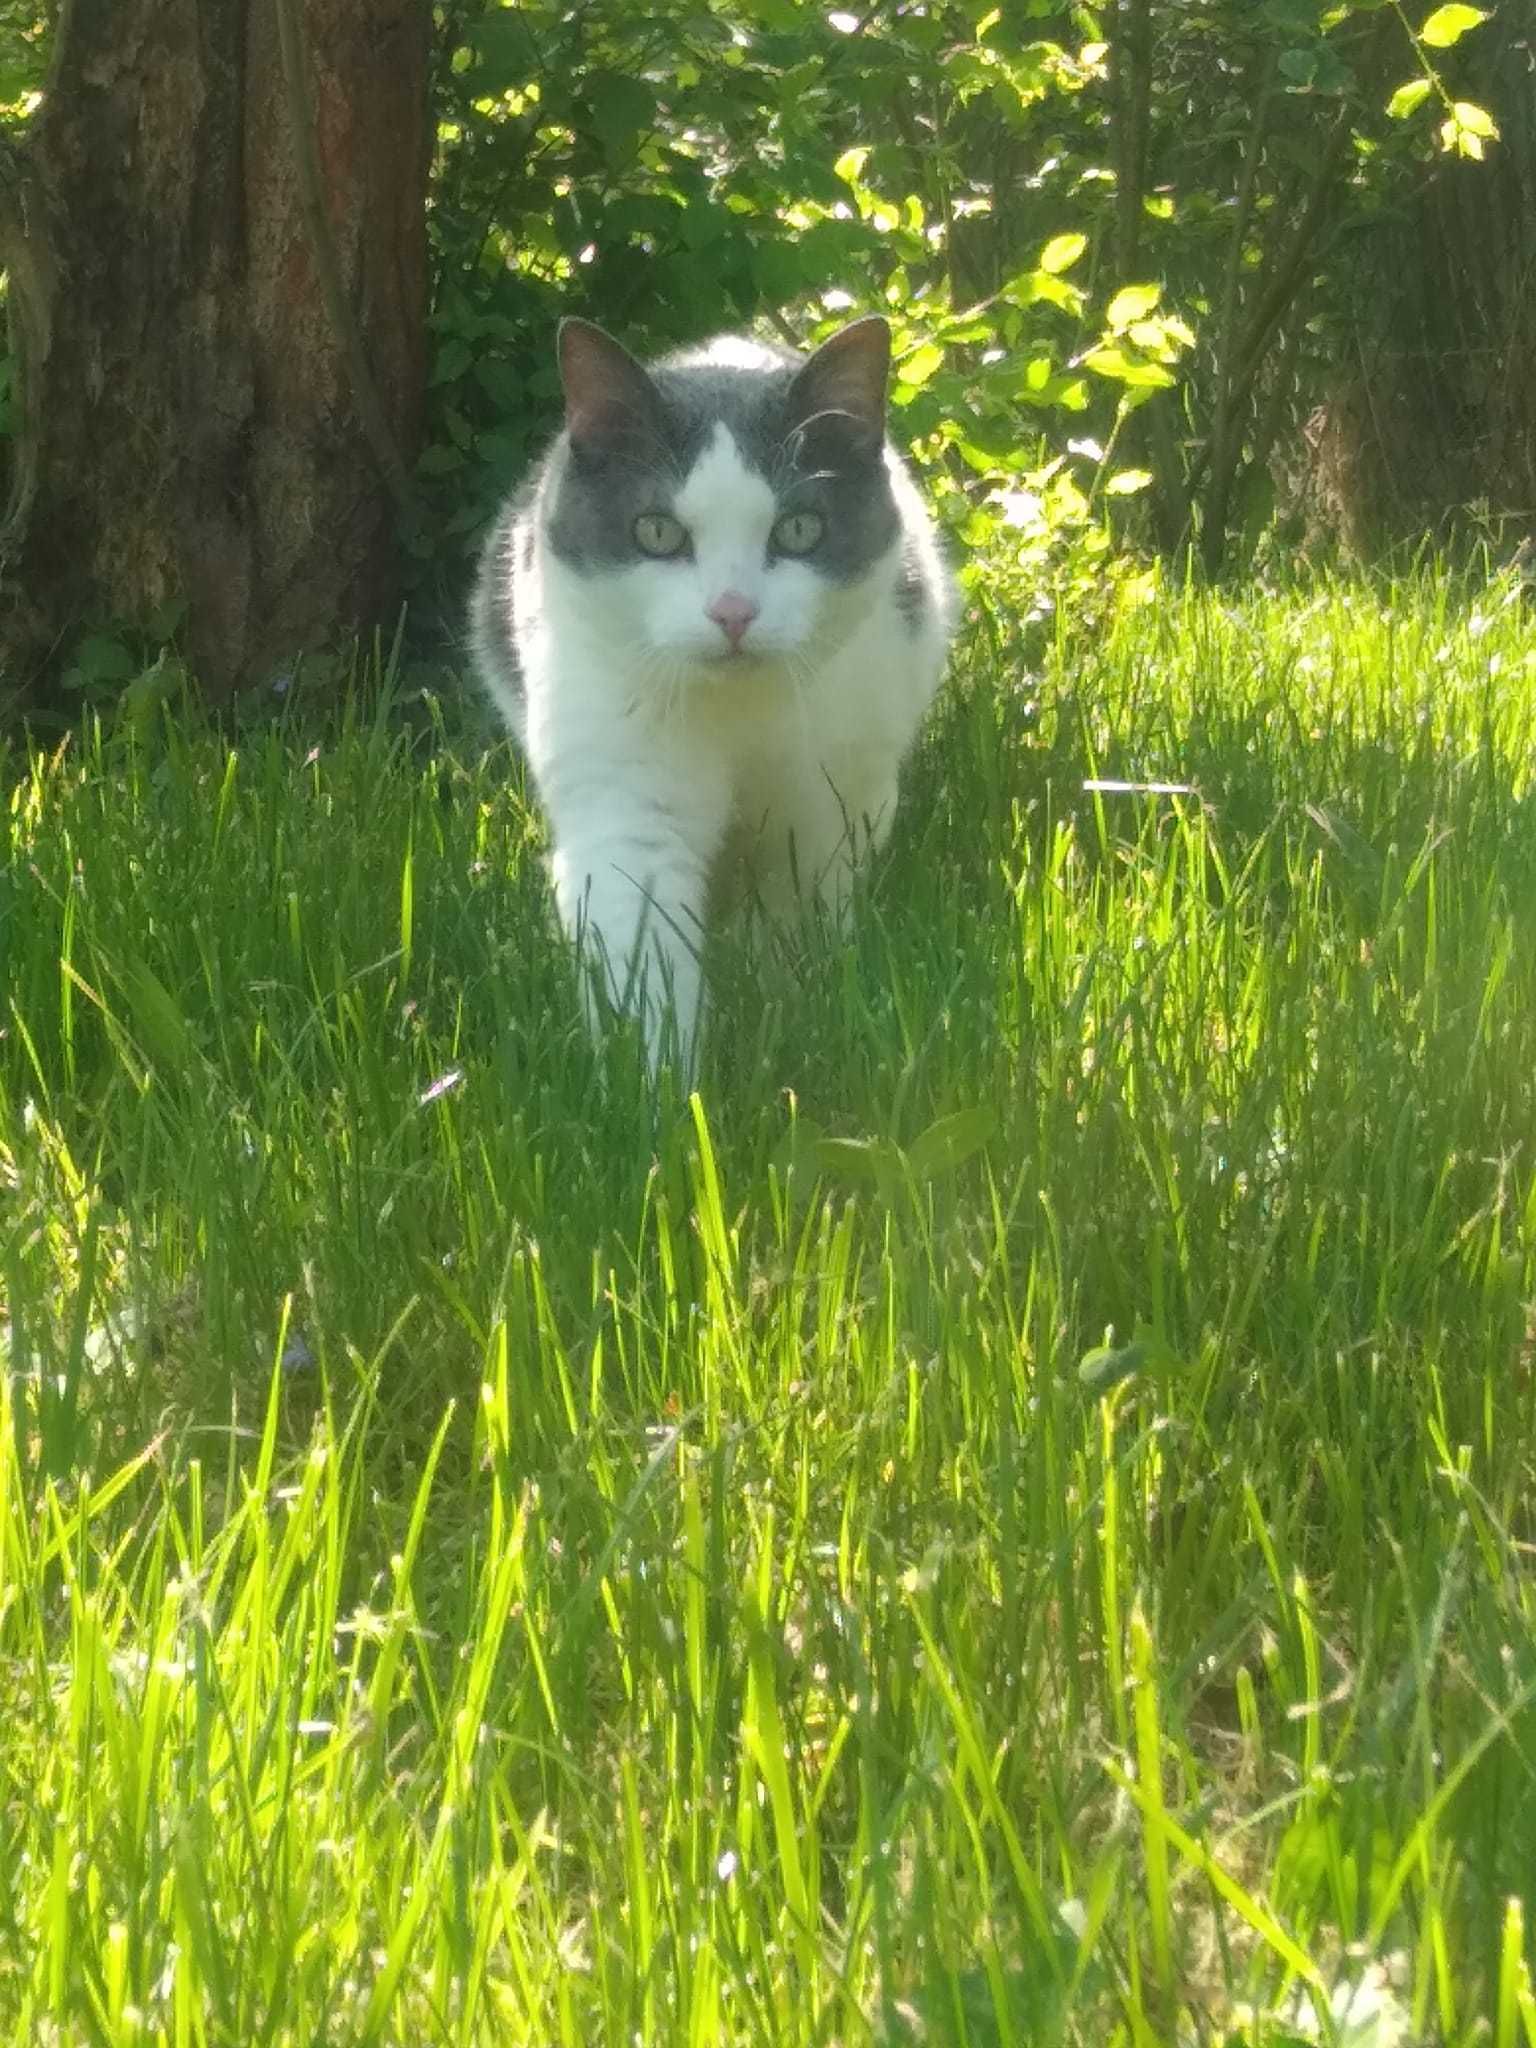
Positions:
(846, 379)
(607, 393)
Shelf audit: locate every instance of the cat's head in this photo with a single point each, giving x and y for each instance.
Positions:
(729, 497)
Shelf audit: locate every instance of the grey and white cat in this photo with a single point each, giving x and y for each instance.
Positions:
(715, 614)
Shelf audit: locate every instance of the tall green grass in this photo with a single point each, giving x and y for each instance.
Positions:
(1004, 1520)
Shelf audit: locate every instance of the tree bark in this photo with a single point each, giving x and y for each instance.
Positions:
(193, 420)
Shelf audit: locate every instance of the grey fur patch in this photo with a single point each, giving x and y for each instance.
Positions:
(826, 463)
(912, 590)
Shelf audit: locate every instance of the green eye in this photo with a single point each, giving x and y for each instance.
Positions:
(659, 534)
(798, 532)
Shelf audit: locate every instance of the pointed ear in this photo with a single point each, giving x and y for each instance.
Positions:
(846, 378)
(607, 393)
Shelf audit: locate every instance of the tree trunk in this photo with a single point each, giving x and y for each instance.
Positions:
(199, 420)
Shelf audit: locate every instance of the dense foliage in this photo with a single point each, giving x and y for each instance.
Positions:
(1069, 211)
(1123, 247)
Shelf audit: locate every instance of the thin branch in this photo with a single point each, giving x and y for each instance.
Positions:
(1223, 452)
(1266, 427)
(1242, 220)
(1131, 59)
(344, 327)
(1285, 281)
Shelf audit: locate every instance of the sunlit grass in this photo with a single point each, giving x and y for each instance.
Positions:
(1005, 1521)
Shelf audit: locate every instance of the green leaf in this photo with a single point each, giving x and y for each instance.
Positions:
(453, 359)
(1061, 252)
(850, 165)
(1475, 120)
(622, 109)
(166, 683)
(503, 384)
(1407, 97)
(701, 223)
(1448, 25)
(1114, 362)
(102, 658)
(1045, 284)
(1149, 334)
(871, 1161)
(1467, 129)
(1131, 302)
(919, 366)
(949, 1141)
(439, 460)
(1125, 481)
(1106, 1365)
(161, 1024)
(501, 45)
(1299, 66)
(1291, 17)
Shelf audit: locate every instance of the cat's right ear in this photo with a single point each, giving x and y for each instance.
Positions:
(608, 396)
(845, 381)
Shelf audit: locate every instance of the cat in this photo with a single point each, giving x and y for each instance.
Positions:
(716, 612)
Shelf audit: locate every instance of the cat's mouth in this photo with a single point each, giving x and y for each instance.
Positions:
(736, 657)
(718, 658)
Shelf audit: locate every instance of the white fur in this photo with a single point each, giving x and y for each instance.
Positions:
(649, 743)
(739, 351)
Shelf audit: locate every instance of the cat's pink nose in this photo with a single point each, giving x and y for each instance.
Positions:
(733, 613)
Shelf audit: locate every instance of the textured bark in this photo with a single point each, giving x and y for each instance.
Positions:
(187, 422)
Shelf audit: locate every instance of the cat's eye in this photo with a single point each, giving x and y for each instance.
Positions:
(798, 532)
(659, 534)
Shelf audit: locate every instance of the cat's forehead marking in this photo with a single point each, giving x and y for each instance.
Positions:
(731, 380)
(721, 496)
